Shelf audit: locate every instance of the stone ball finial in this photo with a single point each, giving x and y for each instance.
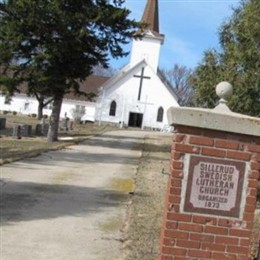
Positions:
(224, 90)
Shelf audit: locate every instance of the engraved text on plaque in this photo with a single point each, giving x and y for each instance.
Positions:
(214, 186)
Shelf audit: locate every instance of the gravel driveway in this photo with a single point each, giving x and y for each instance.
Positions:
(69, 204)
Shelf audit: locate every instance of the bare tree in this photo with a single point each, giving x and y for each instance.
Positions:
(179, 78)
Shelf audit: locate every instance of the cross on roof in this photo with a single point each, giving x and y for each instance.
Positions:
(141, 82)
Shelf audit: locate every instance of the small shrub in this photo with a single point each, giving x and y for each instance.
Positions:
(14, 113)
(33, 115)
(45, 116)
(5, 112)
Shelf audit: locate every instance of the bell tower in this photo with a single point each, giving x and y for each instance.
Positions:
(148, 47)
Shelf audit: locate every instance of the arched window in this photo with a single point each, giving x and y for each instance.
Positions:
(112, 111)
(160, 114)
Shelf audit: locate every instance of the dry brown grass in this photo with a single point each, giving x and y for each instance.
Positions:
(13, 149)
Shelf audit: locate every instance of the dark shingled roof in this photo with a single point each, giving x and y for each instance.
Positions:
(90, 85)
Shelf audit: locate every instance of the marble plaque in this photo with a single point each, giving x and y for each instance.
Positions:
(214, 186)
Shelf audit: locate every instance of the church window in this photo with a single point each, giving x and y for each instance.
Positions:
(26, 105)
(160, 114)
(112, 111)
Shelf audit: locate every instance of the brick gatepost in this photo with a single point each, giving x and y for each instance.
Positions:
(211, 194)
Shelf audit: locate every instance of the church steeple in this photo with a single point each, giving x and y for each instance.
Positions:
(151, 15)
(148, 47)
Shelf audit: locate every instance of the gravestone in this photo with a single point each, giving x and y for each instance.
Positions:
(2, 123)
(26, 130)
(42, 128)
(65, 124)
(17, 131)
(211, 194)
(22, 130)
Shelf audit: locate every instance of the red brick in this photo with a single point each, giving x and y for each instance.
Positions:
(180, 217)
(171, 225)
(242, 257)
(177, 165)
(250, 225)
(186, 148)
(190, 227)
(215, 134)
(176, 208)
(253, 183)
(254, 175)
(239, 155)
(227, 240)
(201, 140)
(250, 208)
(179, 234)
(251, 200)
(188, 244)
(223, 256)
(256, 157)
(204, 220)
(173, 251)
(255, 166)
(248, 216)
(216, 230)
(177, 174)
(168, 242)
(227, 144)
(225, 222)
(166, 257)
(182, 258)
(175, 191)
(213, 152)
(240, 232)
(213, 247)
(201, 237)
(177, 156)
(199, 253)
(175, 199)
(237, 249)
(252, 192)
(178, 138)
(253, 148)
(176, 182)
(245, 242)
(189, 130)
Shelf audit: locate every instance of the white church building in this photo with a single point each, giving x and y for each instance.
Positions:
(138, 96)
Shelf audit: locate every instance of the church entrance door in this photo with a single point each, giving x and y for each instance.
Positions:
(135, 120)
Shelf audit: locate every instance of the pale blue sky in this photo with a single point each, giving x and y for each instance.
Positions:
(190, 28)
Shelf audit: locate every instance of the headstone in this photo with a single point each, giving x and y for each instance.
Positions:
(22, 130)
(26, 130)
(41, 130)
(2, 123)
(17, 131)
(65, 124)
(211, 195)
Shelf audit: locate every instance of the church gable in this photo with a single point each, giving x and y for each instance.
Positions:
(137, 96)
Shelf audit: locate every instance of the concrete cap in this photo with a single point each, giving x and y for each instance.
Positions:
(220, 118)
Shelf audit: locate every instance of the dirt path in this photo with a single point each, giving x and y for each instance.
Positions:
(70, 204)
